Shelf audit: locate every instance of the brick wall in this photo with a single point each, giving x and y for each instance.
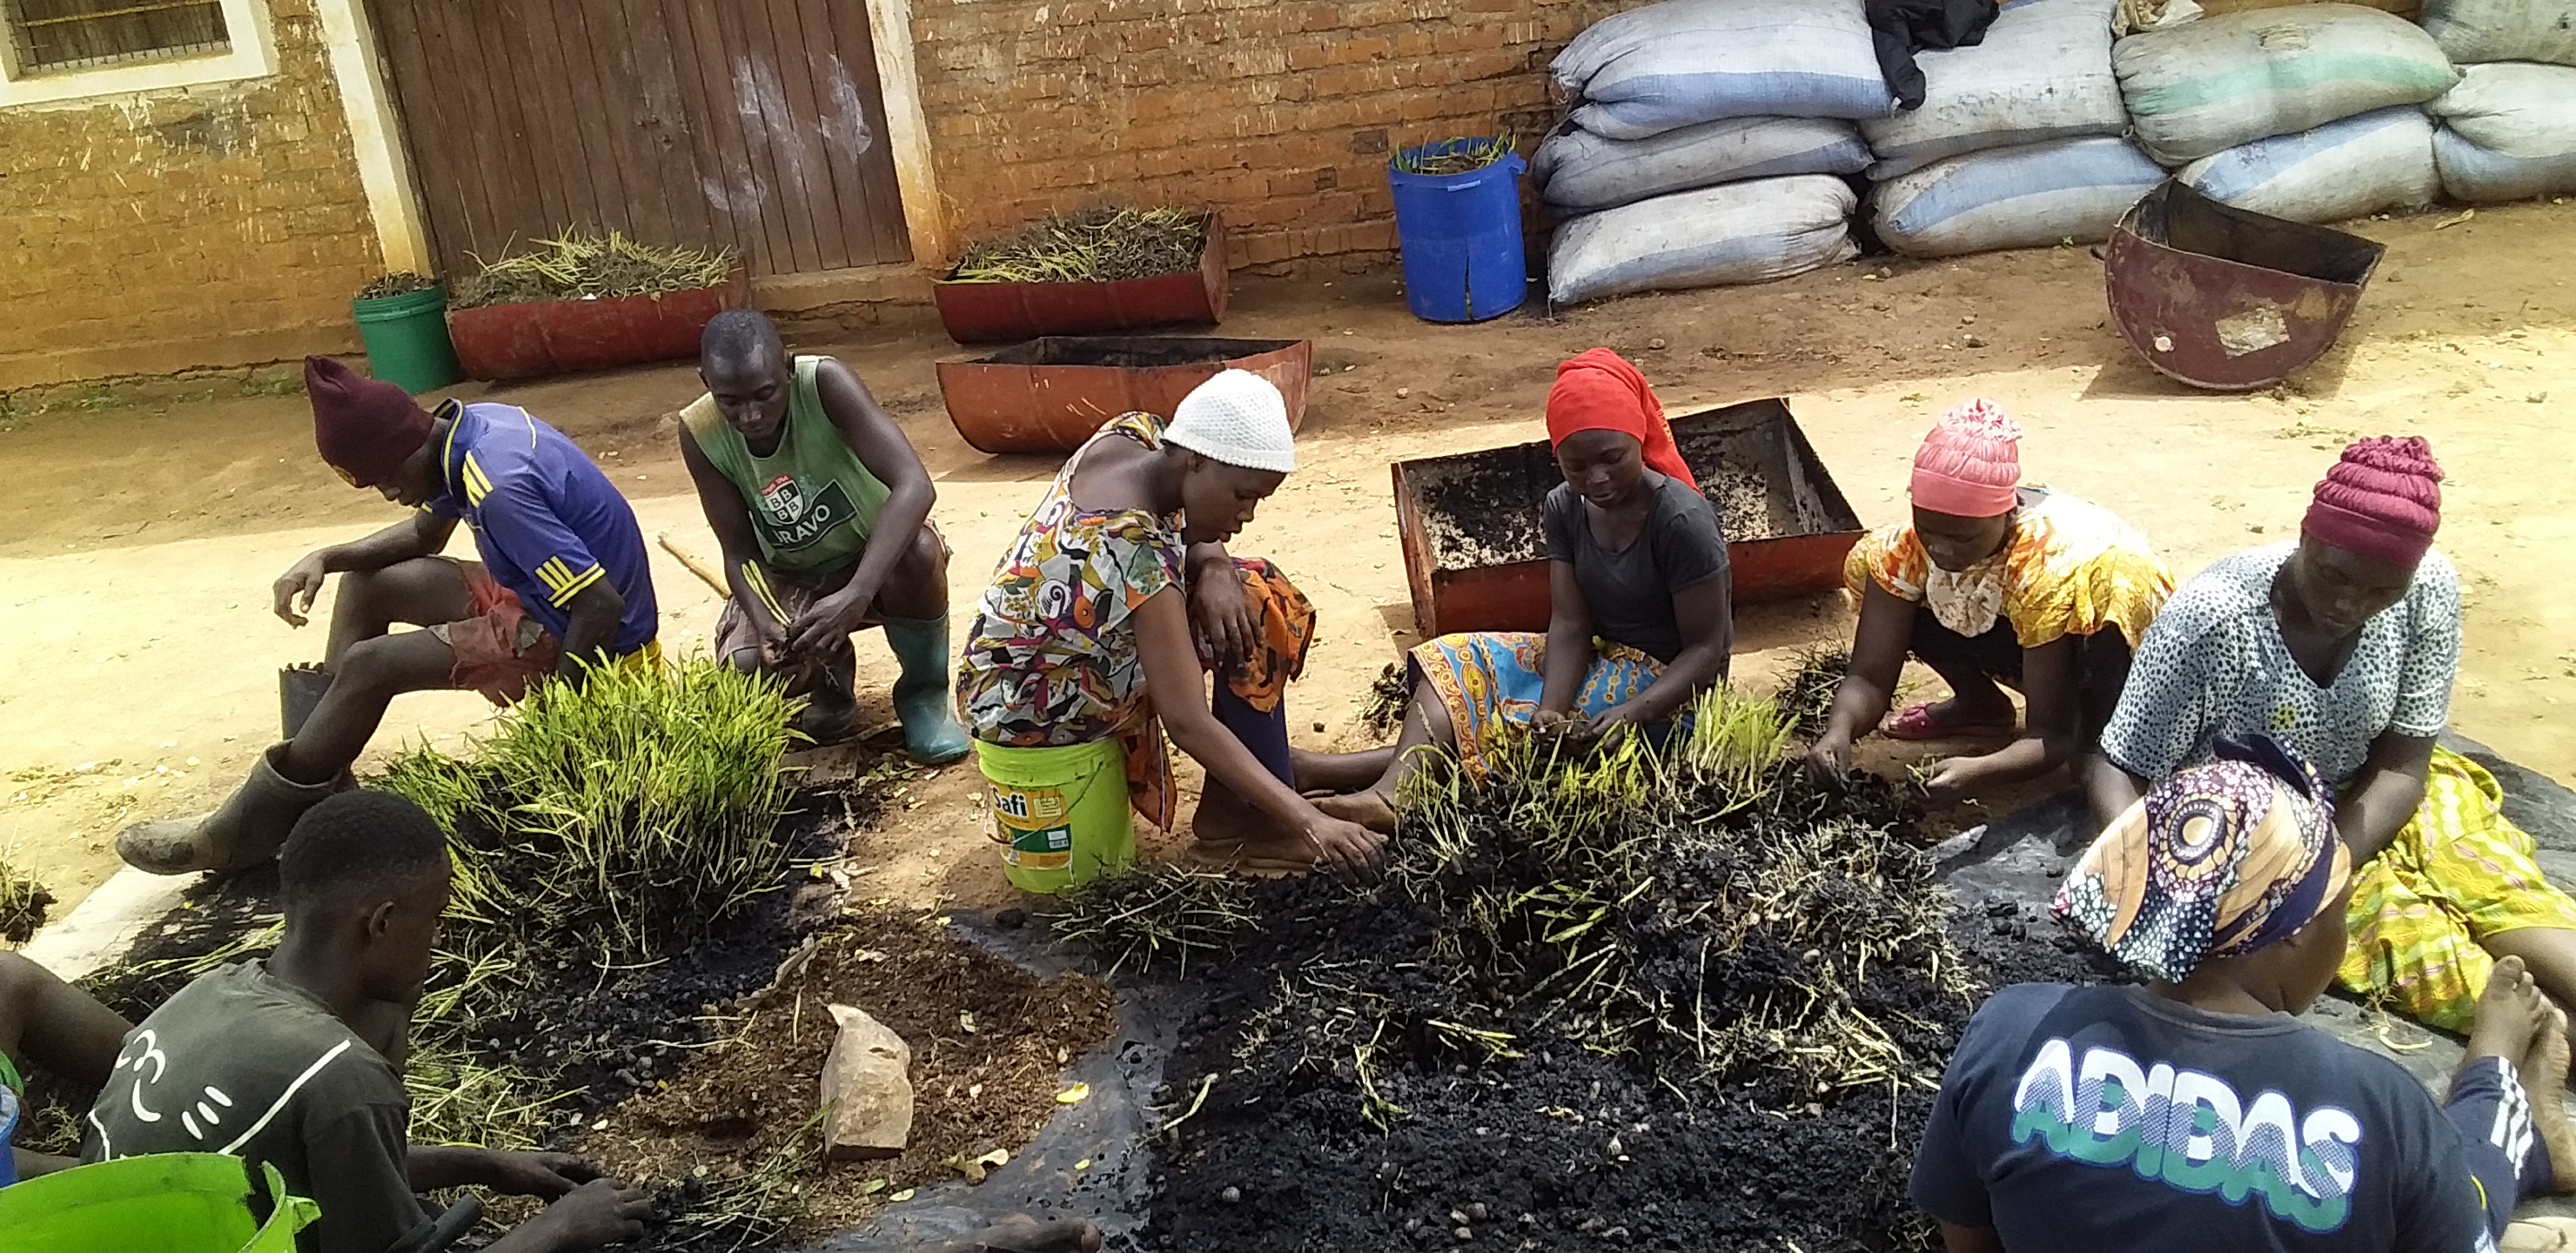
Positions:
(1280, 111)
(154, 232)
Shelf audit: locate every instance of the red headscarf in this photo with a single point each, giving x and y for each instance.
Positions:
(1599, 391)
(366, 429)
(2383, 500)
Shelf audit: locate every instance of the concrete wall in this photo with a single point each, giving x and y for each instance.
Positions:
(152, 232)
(1281, 111)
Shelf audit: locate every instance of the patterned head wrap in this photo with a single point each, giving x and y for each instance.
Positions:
(1970, 465)
(2218, 861)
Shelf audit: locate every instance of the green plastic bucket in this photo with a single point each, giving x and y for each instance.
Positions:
(160, 1203)
(406, 338)
(1060, 814)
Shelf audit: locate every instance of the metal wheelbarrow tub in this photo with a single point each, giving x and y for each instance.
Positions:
(2226, 299)
(1476, 559)
(1050, 394)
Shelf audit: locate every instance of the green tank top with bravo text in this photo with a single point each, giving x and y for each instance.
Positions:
(812, 500)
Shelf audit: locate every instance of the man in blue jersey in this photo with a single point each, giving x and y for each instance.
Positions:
(563, 583)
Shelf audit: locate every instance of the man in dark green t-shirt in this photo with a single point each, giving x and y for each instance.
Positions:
(823, 510)
(284, 1061)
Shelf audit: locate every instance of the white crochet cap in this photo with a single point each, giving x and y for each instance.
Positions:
(1238, 418)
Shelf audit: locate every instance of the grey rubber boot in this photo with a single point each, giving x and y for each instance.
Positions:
(247, 830)
(923, 699)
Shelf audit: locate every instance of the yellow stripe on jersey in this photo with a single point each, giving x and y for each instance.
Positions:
(563, 595)
(477, 484)
(554, 574)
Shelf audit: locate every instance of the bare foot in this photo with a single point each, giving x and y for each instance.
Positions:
(2544, 1081)
(1369, 809)
(2510, 1014)
(1021, 1234)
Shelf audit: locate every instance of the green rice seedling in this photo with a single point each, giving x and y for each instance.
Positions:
(456, 1100)
(1733, 743)
(1157, 913)
(1100, 245)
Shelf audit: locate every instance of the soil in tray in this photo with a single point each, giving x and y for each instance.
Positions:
(988, 1043)
(1486, 511)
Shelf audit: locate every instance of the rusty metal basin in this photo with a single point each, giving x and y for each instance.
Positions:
(1050, 394)
(1476, 560)
(2226, 299)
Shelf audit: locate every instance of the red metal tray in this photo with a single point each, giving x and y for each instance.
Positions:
(1476, 558)
(1049, 395)
(976, 313)
(567, 336)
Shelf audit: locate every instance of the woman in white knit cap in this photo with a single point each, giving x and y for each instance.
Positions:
(1119, 595)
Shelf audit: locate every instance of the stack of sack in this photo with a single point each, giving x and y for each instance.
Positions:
(2311, 112)
(2508, 131)
(2017, 144)
(1707, 144)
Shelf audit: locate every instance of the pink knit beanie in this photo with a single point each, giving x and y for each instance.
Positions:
(2383, 500)
(1970, 465)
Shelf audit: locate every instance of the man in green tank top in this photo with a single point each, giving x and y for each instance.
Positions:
(823, 512)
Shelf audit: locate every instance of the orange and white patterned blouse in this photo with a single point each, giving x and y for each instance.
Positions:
(2071, 568)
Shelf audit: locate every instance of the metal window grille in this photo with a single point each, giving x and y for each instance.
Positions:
(54, 35)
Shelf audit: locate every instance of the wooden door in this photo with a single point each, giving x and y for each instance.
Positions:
(755, 125)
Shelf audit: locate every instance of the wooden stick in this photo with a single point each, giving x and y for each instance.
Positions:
(705, 572)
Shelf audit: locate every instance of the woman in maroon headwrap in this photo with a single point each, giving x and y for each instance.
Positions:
(1639, 619)
(2345, 645)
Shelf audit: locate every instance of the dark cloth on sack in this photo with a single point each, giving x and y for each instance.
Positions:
(1902, 28)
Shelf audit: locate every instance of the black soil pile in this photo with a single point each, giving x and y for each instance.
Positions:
(1484, 509)
(589, 1032)
(988, 1042)
(1657, 1001)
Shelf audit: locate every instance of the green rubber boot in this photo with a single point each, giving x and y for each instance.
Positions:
(248, 829)
(923, 699)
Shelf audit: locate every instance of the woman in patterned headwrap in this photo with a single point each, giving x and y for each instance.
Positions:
(1639, 617)
(2195, 1112)
(2345, 645)
(1992, 584)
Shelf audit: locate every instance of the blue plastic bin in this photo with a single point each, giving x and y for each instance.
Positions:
(1460, 236)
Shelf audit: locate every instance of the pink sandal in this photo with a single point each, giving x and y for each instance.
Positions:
(1916, 723)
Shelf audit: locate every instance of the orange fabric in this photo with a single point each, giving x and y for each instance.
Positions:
(1599, 391)
(1287, 630)
(500, 651)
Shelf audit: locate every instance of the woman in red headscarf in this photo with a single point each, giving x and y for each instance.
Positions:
(1639, 619)
(2344, 645)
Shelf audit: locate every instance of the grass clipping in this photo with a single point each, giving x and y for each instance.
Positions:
(23, 903)
(1095, 246)
(591, 267)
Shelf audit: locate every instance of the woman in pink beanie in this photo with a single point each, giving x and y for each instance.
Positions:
(1992, 585)
(2345, 645)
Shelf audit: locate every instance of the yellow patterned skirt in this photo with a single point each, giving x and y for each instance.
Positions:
(2457, 874)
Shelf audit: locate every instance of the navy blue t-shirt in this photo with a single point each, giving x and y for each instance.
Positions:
(2102, 1119)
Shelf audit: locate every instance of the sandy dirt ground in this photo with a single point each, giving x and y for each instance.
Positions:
(142, 526)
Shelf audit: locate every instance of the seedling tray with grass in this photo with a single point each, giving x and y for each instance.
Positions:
(977, 312)
(575, 303)
(1475, 553)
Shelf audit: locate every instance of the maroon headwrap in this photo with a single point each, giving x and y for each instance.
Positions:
(365, 428)
(2383, 500)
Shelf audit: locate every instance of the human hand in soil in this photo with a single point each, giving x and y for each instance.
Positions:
(1951, 780)
(1222, 612)
(1610, 726)
(545, 1175)
(596, 1213)
(296, 589)
(1345, 848)
(831, 618)
(1022, 1234)
(1830, 757)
